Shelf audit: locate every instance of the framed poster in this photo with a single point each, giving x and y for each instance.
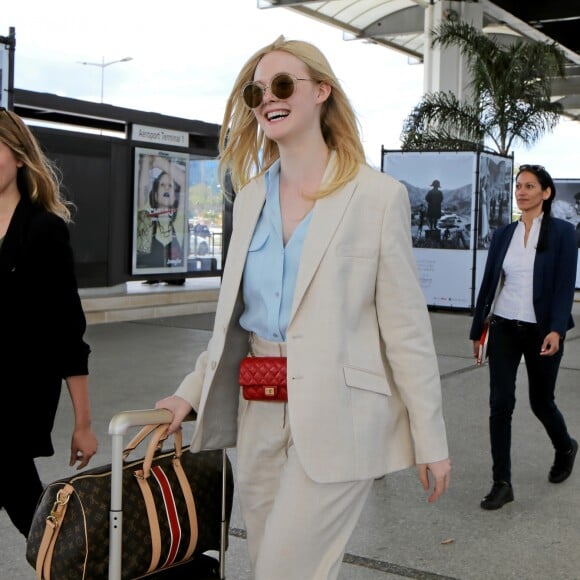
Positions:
(495, 196)
(494, 205)
(566, 206)
(5, 89)
(160, 240)
(442, 191)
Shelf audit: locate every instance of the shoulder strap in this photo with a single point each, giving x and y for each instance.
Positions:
(52, 529)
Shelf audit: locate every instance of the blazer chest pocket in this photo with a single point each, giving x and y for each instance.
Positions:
(353, 250)
(360, 379)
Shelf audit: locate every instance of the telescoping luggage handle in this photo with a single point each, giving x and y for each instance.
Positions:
(118, 427)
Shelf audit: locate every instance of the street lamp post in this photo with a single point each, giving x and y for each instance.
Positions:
(104, 65)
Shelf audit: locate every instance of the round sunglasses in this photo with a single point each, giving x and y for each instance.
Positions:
(282, 86)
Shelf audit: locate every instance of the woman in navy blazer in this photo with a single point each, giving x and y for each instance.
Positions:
(529, 278)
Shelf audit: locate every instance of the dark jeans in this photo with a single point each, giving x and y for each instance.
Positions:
(508, 341)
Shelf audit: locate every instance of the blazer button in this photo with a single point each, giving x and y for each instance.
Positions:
(213, 365)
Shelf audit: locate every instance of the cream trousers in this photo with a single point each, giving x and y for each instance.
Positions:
(297, 529)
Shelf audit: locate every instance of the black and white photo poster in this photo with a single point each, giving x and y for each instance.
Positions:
(441, 187)
(566, 205)
(495, 196)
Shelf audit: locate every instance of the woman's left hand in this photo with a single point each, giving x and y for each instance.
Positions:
(83, 446)
(440, 471)
(551, 344)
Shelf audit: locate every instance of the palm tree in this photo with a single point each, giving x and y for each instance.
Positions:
(511, 96)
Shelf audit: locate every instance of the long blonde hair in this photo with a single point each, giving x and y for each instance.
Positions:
(246, 152)
(38, 178)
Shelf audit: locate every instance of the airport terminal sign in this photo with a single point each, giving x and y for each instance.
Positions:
(160, 136)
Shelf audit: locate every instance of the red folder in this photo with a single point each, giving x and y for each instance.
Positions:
(483, 341)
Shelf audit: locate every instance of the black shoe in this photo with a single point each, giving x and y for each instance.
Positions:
(500, 494)
(563, 464)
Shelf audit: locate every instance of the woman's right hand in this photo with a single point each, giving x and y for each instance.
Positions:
(475, 348)
(179, 407)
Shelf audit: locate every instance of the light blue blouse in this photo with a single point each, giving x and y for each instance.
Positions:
(271, 268)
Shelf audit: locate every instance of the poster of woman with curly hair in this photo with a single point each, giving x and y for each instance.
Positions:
(160, 225)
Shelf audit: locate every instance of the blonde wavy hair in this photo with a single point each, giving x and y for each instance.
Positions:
(38, 178)
(246, 152)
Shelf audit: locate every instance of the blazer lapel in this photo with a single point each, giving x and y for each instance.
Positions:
(247, 210)
(540, 270)
(326, 216)
(503, 248)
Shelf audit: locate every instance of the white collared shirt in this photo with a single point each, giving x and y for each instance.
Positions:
(516, 298)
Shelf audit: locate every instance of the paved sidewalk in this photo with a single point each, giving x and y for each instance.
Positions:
(399, 536)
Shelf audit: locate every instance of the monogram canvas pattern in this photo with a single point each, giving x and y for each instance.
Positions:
(82, 547)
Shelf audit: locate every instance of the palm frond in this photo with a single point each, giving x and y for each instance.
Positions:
(472, 43)
(442, 116)
(510, 94)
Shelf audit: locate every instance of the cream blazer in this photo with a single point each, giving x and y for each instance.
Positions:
(364, 393)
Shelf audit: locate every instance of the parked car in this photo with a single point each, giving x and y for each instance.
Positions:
(449, 220)
(200, 230)
(199, 239)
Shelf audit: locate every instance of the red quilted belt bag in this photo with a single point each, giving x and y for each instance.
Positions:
(263, 378)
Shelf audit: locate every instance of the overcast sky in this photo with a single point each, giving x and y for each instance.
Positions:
(186, 56)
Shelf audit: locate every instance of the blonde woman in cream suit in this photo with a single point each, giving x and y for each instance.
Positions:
(319, 269)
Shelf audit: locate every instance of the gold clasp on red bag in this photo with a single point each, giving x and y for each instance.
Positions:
(270, 391)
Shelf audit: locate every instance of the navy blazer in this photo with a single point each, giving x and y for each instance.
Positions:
(554, 278)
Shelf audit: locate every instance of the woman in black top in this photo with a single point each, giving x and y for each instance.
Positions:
(41, 338)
